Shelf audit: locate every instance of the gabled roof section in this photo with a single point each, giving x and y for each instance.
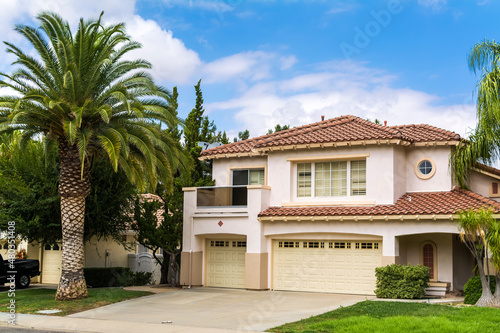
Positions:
(487, 169)
(426, 133)
(343, 130)
(413, 204)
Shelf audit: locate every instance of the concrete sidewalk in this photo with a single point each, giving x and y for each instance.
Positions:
(87, 325)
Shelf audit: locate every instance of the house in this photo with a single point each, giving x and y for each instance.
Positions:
(318, 207)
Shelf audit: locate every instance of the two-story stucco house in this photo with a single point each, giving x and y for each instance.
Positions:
(318, 207)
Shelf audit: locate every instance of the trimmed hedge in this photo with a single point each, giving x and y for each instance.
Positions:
(402, 281)
(98, 277)
(473, 289)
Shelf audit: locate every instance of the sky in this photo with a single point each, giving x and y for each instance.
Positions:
(289, 62)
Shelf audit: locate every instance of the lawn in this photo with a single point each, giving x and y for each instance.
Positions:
(33, 300)
(372, 316)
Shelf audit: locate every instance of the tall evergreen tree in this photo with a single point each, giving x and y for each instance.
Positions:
(173, 130)
(198, 128)
(278, 128)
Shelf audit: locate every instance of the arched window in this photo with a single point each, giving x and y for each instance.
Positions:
(428, 255)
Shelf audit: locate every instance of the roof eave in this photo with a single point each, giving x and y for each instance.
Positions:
(261, 151)
(335, 218)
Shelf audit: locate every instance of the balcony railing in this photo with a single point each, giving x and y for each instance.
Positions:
(222, 196)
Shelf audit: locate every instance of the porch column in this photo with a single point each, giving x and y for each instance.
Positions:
(390, 250)
(256, 257)
(191, 256)
(191, 268)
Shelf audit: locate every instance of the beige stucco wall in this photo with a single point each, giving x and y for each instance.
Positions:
(222, 167)
(412, 247)
(256, 266)
(95, 253)
(191, 269)
(379, 175)
(441, 181)
(399, 169)
(480, 183)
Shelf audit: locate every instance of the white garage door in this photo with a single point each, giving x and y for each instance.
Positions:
(51, 263)
(226, 263)
(326, 266)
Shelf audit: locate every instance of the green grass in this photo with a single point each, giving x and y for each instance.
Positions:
(33, 300)
(371, 316)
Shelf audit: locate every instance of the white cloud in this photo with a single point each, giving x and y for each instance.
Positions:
(252, 65)
(288, 62)
(342, 7)
(172, 60)
(357, 90)
(214, 6)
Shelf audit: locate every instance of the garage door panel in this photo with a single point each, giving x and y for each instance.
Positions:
(225, 264)
(350, 269)
(51, 263)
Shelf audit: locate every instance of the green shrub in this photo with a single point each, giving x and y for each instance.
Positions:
(402, 281)
(142, 279)
(473, 289)
(98, 277)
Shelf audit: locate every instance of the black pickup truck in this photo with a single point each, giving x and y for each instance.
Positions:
(19, 270)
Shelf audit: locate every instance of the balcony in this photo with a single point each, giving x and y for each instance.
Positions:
(225, 201)
(222, 196)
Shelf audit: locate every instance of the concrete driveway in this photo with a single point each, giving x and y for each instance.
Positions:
(222, 308)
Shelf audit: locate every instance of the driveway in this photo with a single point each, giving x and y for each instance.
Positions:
(222, 308)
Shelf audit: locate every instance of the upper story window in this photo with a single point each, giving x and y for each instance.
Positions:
(248, 177)
(425, 168)
(331, 179)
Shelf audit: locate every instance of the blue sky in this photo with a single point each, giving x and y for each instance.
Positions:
(289, 62)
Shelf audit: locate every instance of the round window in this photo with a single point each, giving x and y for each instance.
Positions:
(425, 168)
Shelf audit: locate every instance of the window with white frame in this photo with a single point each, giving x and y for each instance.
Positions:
(331, 179)
(248, 177)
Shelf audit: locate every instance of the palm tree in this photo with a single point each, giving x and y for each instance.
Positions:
(79, 94)
(483, 146)
(484, 142)
(475, 228)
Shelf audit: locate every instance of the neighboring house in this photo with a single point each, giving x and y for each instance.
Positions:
(318, 207)
(4, 245)
(98, 253)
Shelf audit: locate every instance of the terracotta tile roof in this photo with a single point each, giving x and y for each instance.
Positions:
(489, 169)
(426, 133)
(341, 129)
(428, 203)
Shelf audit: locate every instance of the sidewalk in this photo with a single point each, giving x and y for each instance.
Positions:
(86, 325)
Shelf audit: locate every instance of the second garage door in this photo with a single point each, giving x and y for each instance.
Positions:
(326, 266)
(51, 263)
(225, 263)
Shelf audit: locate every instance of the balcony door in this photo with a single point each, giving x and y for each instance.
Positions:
(245, 177)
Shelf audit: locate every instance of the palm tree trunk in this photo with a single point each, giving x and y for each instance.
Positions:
(487, 298)
(73, 189)
(497, 287)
